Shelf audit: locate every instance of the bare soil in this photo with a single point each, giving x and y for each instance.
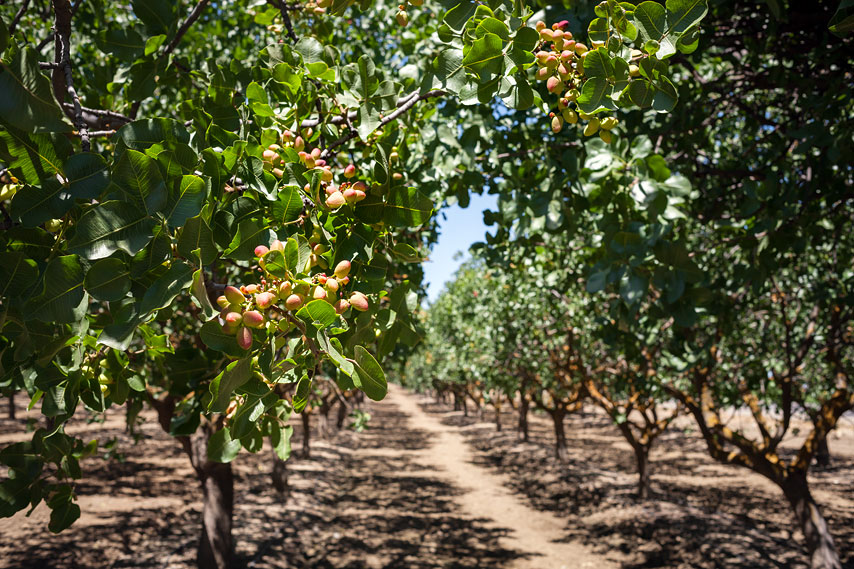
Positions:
(426, 487)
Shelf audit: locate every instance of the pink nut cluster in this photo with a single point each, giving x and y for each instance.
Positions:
(268, 304)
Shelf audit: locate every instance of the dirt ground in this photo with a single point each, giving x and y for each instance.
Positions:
(426, 487)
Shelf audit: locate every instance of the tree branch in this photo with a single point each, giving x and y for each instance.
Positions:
(63, 12)
(18, 17)
(289, 26)
(408, 104)
(194, 15)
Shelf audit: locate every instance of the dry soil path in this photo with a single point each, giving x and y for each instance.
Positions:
(486, 497)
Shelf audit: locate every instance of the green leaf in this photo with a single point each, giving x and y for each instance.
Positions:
(526, 39)
(34, 157)
(842, 22)
(641, 93)
(233, 376)
(302, 393)
(62, 515)
(110, 226)
(87, 175)
(250, 233)
(407, 207)
(280, 440)
(27, 102)
(170, 284)
(159, 16)
(221, 447)
(197, 234)
(485, 55)
(187, 202)
(200, 293)
(369, 376)
(139, 178)
(319, 313)
(62, 292)
(288, 205)
(682, 15)
(597, 63)
(275, 264)
(17, 273)
(214, 338)
(124, 42)
(142, 134)
(4, 36)
(107, 279)
(595, 96)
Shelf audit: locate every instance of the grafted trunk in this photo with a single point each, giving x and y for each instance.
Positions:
(822, 453)
(523, 418)
(642, 459)
(560, 433)
(215, 546)
(819, 542)
(306, 434)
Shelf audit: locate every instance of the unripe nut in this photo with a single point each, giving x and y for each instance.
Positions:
(342, 269)
(234, 295)
(244, 338)
(293, 302)
(265, 299)
(359, 301)
(261, 250)
(253, 319)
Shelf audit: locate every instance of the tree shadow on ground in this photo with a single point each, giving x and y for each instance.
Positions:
(701, 514)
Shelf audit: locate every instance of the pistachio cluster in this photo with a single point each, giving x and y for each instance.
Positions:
(560, 63)
(269, 304)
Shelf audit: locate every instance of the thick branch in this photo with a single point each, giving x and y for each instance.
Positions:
(63, 12)
(283, 8)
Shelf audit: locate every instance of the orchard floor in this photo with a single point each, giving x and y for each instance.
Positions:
(426, 487)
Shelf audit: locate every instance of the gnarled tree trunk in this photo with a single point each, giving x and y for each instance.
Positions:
(820, 546)
(822, 453)
(642, 459)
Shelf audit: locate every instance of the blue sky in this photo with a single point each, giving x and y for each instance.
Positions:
(460, 228)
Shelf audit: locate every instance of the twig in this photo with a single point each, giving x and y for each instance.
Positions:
(194, 15)
(103, 113)
(413, 99)
(283, 8)
(18, 17)
(99, 133)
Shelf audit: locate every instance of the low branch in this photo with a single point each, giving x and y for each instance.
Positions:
(63, 12)
(103, 113)
(413, 99)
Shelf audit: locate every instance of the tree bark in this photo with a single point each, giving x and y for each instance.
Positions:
(306, 434)
(218, 486)
(523, 418)
(642, 459)
(822, 454)
(12, 407)
(560, 433)
(280, 477)
(819, 541)
(342, 415)
(498, 417)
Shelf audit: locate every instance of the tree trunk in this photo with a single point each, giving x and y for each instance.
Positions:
(819, 542)
(822, 454)
(218, 486)
(280, 477)
(457, 404)
(306, 434)
(560, 433)
(498, 417)
(642, 458)
(523, 418)
(12, 407)
(342, 415)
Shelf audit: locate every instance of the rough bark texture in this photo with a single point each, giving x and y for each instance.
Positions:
(560, 433)
(215, 546)
(523, 418)
(642, 459)
(342, 415)
(822, 454)
(820, 546)
(306, 434)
